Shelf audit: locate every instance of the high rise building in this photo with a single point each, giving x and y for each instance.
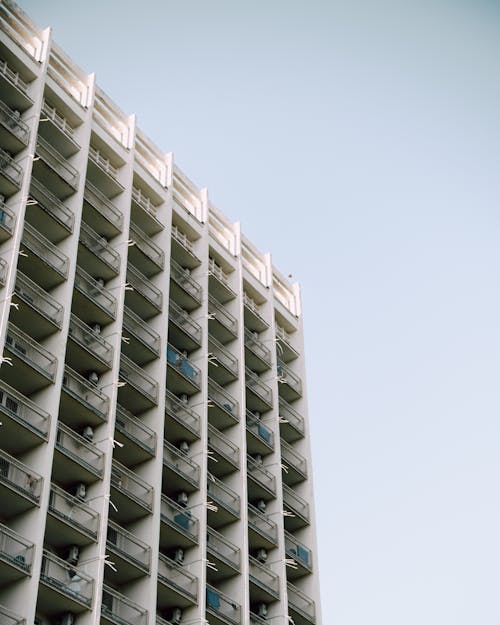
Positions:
(155, 465)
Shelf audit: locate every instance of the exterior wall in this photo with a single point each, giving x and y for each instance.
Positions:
(154, 451)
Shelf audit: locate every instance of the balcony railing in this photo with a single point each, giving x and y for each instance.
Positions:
(217, 271)
(259, 429)
(181, 412)
(178, 517)
(44, 249)
(176, 460)
(102, 162)
(12, 121)
(103, 205)
(223, 606)
(7, 218)
(52, 205)
(9, 618)
(19, 408)
(120, 610)
(145, 287)
(262, 576)
(262, 524)
(19, 477)
(290, 416)
(261, 475)
(220, 313)
(138, 378)
(10, 169)
(257, 347)
(142, 331)
(252, 306)
(16, 550)
(287, 376)
(223, 400)
(301, 603)
(13, 77)
(25, 348)
(183, 278)
(183, 365)
(223, 495)
(299, 552)
(75, 447)
(57, 162)
(181, 238)
(183, 320)
(143, 201)
(128, 546)
(131, 427)
(175, 576)
(259, 388)
(73, 511)
(223, 355)
(61, 122)
(86, 393)
(100, 296)
(293, 459)
(3, 271)
(83, 334)
(33, 295)
(66, 579)
(223, 549)
(147, 247)
(132, 485)
(100, 247)
(295, 503)
(222, 445)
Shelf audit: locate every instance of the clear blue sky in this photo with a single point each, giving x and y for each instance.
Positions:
(360, 142)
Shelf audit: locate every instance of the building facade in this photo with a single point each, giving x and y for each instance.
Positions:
(155, 464)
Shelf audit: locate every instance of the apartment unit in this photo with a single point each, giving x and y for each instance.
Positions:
(154, 453)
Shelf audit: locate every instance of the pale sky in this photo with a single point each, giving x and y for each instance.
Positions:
(359, 141)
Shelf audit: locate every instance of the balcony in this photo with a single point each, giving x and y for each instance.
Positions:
(183, 288)
(75, 459)
(9, 618)
(87, 348)
(94, 303)
(179, 471)
(132, 496)
(145, 255)
(24, 424)
(224, 554)
(176, 586)
(218, 283)
(261, 483)
(43, 261)
(262, 532)
(116, 609)
(56, 129)
(11, 174)
(296, 465)
(181, 422)
(138, 440)
(131, 556)
(183, 331)
(70, 521)
(140, 391)
(259, 394)
(257, 355)
(300, 554)
(54, 169)
(37, 310)
(183, 250)
(14, 133)
(82, 403)
(290, 385)
(223, 409)
(284, 345)
(143, 343)
(33, 367)
(96, 255)
(3, 271)
(225, 454)
(260, 438)
(16, 556)
(20, 487)
(221, 324)
(103, 174)
(226, 500)
(65, 588)
(223, 366)
(144, 212)
(179, 527)
(254, 321)
(182, 375)
(298, 507)
(7, 221)
(302, 607)
(14, 89)
(42, 204)
(291, 422)
(100, 212)
(264, 583)
(221, 608)
(145, 299)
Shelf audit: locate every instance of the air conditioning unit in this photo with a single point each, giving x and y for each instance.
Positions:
(182, 498)
(68, 619)
(184, 447)
(88, 433)
(261, 555)
(81, 490)
(258, 459)
(179, 556)
(261, 505)
(96, 328)
(262, 610)
(93, 377)
(176, 616)
(184, 398)
(73, 555)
